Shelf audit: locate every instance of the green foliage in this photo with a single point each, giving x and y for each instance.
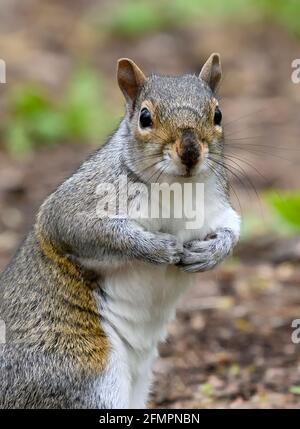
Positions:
(295, 390)
(85, 114)
(285, 12)
(287, 207)
(30, 115)
(35, 119)
(132, 18)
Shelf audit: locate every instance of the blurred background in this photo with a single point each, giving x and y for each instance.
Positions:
(231, 344)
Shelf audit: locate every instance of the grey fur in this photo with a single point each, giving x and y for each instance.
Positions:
(33, 303)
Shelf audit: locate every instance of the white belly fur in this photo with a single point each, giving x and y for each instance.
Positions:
(141, 299)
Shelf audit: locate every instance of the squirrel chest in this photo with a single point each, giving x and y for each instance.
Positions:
(140, 299)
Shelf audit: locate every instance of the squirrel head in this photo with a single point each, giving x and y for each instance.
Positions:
(173, 122)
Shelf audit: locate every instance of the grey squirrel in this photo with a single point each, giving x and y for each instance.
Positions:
(87, 298)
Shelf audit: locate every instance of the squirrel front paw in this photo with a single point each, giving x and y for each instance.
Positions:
(163, 249)
(203, 255)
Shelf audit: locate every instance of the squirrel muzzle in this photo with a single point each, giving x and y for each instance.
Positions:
(190, 149)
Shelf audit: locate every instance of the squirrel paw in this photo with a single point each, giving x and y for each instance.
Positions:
(165, 249)
(203, 255)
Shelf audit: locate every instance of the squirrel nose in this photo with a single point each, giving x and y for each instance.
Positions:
(190, 148)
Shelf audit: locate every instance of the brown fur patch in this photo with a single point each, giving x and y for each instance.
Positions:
(75, 330)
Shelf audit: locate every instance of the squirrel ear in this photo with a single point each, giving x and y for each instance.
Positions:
(211, 72)
(130, 79)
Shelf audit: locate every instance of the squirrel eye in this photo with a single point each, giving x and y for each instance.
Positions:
(145, 118)
(217, 116)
